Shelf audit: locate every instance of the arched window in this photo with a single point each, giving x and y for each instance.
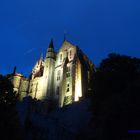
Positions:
(58, 75)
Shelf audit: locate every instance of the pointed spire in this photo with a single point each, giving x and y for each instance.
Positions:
(51, 44)
(50, 51)
(14, 71)
(41, 59)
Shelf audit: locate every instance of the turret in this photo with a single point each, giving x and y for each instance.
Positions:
(48, 74)
(37, 70)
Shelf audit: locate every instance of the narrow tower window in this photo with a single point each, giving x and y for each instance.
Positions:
(68, 68)
(68, 87)
(58, 75)
(68, 71)
(70, 54)
(60, 57)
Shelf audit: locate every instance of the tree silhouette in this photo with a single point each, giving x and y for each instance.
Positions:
(116, 100)
(9, 124)
(7, 97)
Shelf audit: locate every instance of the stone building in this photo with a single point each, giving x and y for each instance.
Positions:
(61, 77)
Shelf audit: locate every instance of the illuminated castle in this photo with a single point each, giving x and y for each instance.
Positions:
(62, 77)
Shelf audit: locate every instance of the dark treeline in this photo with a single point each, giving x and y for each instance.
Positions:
(116, 98)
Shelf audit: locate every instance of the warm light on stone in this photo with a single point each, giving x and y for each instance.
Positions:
(78, 82)
(62, 76)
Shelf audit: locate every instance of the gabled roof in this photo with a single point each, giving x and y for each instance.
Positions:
(66, 45)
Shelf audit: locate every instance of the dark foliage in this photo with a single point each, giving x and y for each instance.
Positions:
(116, 100)
(9, 124)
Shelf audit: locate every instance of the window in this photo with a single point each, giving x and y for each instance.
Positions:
(60, 57)
(70, 54)
(67, 74)
(68, 87)
(68, 71)
(58, 75)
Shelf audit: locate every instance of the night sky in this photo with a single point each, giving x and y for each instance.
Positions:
(98, 27)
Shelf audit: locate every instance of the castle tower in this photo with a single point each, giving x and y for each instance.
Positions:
(64, 74)
(48, 74)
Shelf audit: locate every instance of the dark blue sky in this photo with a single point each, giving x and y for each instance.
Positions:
(98, 27)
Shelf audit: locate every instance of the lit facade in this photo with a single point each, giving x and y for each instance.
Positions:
(62, 77)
